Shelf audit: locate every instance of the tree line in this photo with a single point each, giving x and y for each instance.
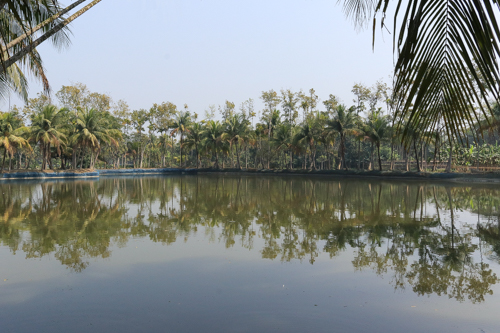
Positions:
(295, 130)
(444, 83)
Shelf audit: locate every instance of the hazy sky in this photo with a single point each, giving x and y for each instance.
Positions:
(202, 52)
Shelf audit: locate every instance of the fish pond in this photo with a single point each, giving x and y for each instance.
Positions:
(221, 253)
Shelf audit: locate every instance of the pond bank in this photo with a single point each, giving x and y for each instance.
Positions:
(87, 173)
(387, 175)
(49, 174)
(130, 172)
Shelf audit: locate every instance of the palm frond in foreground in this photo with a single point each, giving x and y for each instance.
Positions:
(447, 52)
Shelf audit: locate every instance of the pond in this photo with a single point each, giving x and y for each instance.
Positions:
(220, 253)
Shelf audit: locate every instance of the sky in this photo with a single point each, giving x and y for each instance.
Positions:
(203, 52)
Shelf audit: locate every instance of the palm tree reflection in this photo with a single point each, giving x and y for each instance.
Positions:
(395, 229)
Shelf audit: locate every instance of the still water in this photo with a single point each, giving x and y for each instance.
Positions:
(248, 254)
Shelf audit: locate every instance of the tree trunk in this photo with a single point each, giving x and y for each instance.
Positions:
(407, 159)
(197, 157)
(31, 46)
(181, 149)
(342, 152)
(359, 154)
(41, 25)
(416, 156)
(370, 166)
(435, 155)
(42, 151)
(379, 160)
(313, 158)
(269, 139)
(73, 157)
(448, 165)
(269, 157)
(246, 156)
(392, 156)
(49, 157)
(95, 160)
(422, 157)
(3, 161)
(238, 156)
(82, 154)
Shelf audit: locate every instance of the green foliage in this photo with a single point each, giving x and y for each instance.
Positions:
(338, 137)
(484, 155)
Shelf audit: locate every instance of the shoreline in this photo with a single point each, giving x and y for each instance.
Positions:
(352, 174)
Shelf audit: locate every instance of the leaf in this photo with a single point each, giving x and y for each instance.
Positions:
(446, 68)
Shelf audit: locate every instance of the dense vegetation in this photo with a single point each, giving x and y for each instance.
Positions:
(294, 131)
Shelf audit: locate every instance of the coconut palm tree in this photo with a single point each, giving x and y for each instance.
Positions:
(133, 150)
(47, 129)
(11, 135)
(25, 18)
(375, 131)
(236, 131)
(24, 26)
(272, 121)
(91, 131)
(180, 125)
(213, 139)
(164, 143)
(344, 123)
(308, 134)
(194, 138)
(283, 139)
(17, 18)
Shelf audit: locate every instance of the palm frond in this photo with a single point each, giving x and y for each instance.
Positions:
(446, 69)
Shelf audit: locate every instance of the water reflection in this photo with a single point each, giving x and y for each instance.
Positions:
(434, 239)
